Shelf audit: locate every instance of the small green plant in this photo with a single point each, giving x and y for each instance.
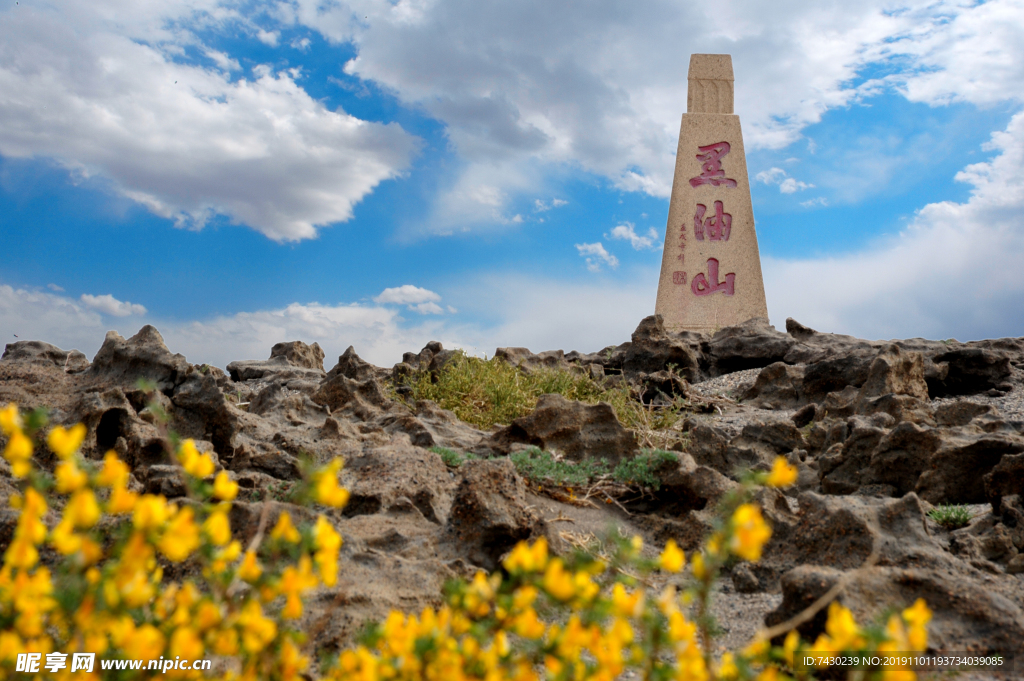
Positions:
(452, 458)
(541, 467)
(643, 469)
(951, 517)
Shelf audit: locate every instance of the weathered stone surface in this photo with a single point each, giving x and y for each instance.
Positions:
(752, 344)
(397, 475)
(299, 354)
(489, 513)
(652, 349)
(574, 429)
(956, 472)
(895, 373)
(363, 398)
(40, 353)
(143, 356)
(529, 362)
(970, 371)
(968, 615)
(1005, 478)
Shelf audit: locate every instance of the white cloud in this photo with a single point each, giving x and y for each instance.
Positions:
(790, 186)
(540, 206)
(639, 243)
(54, 287)
(407, 295)
(301, 44)
(787, 184)
(772, 176)
(602, 90)
(429, 308)
(268, 37)
(100, 88)
(954, 272)
(596, 254)
(110, 305)
(819, 201)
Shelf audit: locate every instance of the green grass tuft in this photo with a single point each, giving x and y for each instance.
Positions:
(643, 470)
(951, 517)
(452, 458)
(542, 467)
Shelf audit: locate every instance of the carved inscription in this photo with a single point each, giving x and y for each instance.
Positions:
(711, 166)
(717, 227)
(679, 278)
(705, 286)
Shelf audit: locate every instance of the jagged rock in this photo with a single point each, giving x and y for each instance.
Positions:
(778, 385)
(350, 365)
(40, 353)
(752, 344)
(970, 371)
(277, 368)
(574, 429)
(362, 398)
(659, 386)
(744, 580)
(202, 412)
(708, 446)
(299, 354)
(960, 413)
(1005, 478)
(895, 373)
(380, 478)
(123, 362)
(968, 615)
(956, 472)
(431, 426)
(528, 361)
(489, 514)
(653, 349)
(688, 530)
(833, 375)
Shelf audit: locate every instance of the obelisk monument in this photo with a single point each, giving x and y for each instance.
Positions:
(710, 269)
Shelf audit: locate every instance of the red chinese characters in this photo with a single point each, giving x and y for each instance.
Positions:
(679, 278)
(717, 227)
(711, 166)
(705, 286)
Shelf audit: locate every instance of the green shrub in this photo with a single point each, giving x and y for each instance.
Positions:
(452, 458)
(542, 467)
(642, 470)
(951, 517)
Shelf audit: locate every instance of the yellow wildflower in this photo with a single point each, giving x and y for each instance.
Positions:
(69, 477)
(749, 532)
(63, 442)
(114, 473)
(218, 528)
(285, 529)
(195, 464)
(10, 419)
(557, 581)
(185, 643)
(150, 512)
(328, 543)
(782, 473)
(627, 605)
(19, 453)
(145, 643)
(528, 558)
(82, 511)
(326, 488)
(121, 501)
(181, 537)
(249, 570)
(672, 558)
(257, 630)
(224, 488)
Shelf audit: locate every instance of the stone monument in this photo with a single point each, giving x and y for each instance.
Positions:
(710, 269)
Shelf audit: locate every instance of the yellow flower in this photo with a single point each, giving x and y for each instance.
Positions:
(19, 452)
(224, 488)
(294, 581)
(64, 443)
(145, 643)
(225, 642)
(195, 464)
(627, 605)
(672, 558)
(181, 537)
(82, 511)
(285, 530)
(528, 558)
(558, 582)
(326, 488)
(257, 630)
(328, 543)
(249, 570)
(185, 643)
(64, 539)
(699, 569)
(727, 668)
(121, 501)
(782, 475)
(750, 532)
(115, 472)
(218, 528)
(150, 512)
(918, 614)
(69, 477)
(10, 419)
(842, 628)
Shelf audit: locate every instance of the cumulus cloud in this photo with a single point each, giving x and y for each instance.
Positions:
(603, 89)
(787, 185)
(100, 88)
(595, 254)
(407, 294)
(812, 203)
(639, 243)
(110, 305)
(540, 206)
(954, 272)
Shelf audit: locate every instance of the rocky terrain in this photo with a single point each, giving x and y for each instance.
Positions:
(881, 432)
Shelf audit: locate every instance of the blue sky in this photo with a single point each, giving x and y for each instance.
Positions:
(384, 173)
